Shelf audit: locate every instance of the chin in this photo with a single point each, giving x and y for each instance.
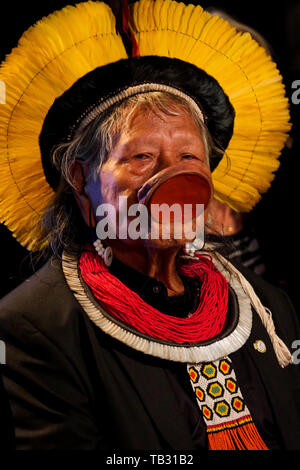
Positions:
(176, 236)
(161, 243)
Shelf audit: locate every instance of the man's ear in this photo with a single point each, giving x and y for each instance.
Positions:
(78, 172)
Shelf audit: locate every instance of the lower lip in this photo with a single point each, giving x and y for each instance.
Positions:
(186, 189)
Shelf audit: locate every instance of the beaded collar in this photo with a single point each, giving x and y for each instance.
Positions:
(227, 342)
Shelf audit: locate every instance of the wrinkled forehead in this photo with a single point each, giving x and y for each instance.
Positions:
(143, 117)
(145, 123)
(152, 107)
(148, 119)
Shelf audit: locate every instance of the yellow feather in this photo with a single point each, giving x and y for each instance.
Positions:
(250, 79)
(50, 57)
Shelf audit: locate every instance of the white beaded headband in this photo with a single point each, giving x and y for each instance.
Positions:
(92, 112)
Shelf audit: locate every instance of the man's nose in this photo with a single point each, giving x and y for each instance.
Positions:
(165, 160)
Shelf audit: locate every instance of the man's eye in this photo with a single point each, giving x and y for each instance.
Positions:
(188, 157)
(141, 156)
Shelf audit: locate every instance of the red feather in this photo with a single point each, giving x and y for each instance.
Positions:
(120, 9)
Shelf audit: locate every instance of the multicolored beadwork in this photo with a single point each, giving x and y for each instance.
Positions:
(228, 420)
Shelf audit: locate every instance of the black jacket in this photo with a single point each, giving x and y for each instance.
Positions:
(71, 386)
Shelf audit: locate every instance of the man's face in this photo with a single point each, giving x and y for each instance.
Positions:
(150, 144)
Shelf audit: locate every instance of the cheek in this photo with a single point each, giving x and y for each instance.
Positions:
(105, 188)
(108, 185)
(114, 184)
(120, 180)
(93, 191)
(205, 155)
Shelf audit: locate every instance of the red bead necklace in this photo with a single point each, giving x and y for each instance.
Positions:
(125, 305)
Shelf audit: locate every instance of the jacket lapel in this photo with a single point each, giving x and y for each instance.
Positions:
(279, 381)
(155, 391)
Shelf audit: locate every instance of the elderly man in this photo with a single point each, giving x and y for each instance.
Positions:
(144, 341)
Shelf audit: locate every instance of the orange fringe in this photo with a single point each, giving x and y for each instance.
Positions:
(236, 435)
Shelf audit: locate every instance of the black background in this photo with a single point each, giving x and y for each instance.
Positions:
(276, 217)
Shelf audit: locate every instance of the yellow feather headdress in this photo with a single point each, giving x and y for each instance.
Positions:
(53, 54)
